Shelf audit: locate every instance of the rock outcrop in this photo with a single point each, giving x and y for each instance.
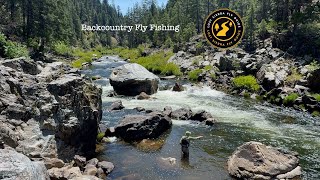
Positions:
(254, 160)
(132, 79)
(48, 110)
(14, 165)
(138, 127)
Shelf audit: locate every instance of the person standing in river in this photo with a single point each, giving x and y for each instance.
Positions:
(185, 143)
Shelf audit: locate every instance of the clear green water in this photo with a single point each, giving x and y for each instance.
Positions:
(239, 121)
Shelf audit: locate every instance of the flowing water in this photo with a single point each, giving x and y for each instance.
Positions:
(239, 121)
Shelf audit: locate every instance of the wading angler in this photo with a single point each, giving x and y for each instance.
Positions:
(162, 27)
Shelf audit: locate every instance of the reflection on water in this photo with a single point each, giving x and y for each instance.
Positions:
(239, 121)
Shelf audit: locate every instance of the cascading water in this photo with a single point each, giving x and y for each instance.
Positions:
(239, 121)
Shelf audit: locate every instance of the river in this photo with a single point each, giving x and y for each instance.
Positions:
(239, 120)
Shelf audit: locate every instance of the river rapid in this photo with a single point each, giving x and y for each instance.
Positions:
(239, 120)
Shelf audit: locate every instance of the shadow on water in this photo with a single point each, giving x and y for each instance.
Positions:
(239, 121)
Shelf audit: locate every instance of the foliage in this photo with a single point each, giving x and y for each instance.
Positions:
(314, 65)
(194, 75)
(157, 63)
(208, 68)
(315, 113)
(100, 136)
(60, 48)
(317, 97)
(246, 82)
(290, 98)
(213, 76)
(10, 49)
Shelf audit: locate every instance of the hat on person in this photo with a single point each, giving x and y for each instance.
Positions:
(188, 133)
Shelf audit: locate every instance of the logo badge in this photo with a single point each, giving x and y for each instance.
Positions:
(223, 28)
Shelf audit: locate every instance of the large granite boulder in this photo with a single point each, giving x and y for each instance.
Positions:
(182, 114)
(254, 160)
(48, 110)
(14, 165)
(138, 127)
(132, 79)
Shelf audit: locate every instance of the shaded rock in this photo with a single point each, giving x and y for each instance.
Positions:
(14, 165)
(255, 160)
(210, 122)
(53, 162)
(138, 127)
(23, 64)
(132, 79)
(107, 167)
(178, 87)
(101, 174)
(167, 111)
(110, 132)
(314, 81)
(181, 114)
(201, 115)
(64, 173)
(116, 106)
(140, 109)
(80, 161)
(143, 96)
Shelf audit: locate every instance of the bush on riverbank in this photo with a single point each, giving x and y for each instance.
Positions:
(61, 49)
(10, 49)
(246, 82)
(194, 75)
(289, 100)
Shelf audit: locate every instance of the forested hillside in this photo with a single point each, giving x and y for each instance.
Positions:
(293, 24)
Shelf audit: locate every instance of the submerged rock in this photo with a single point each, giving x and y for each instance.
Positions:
(254, 160)
(132, 79)
(182, 114)
(116, 106)
(143, 96)
(178, 87)
(14, 165)
(201, 115)
(138, 127)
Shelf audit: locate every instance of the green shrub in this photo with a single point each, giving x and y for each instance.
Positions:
(246, 82)
(290, 98)
(100, 137)
(293, 77)
(158, 63)
(315, 113)
(317, 96)
(194, 75)
(9, 49)
(60, 48)
(314, 65)
(208, 68)
(171, 69)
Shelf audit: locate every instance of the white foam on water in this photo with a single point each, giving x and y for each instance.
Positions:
(112, 139)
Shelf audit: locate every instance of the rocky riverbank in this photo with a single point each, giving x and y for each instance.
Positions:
(49, 113)
(267, 73)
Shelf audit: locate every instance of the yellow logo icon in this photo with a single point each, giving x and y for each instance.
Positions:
(223, 28)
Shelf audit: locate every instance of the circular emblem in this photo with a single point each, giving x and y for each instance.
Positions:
(223, 28)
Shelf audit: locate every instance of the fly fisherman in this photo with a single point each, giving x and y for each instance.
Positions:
(185, 143)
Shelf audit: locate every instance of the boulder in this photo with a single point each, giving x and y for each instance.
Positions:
(93, 162)
(201, 115)
(80, 161)
(116, 106)
(86, 177)
(107, 167)
(64, 173)
(138, 127)
(182, 114)
(132, 79)
(314, 81)
(143, 96)
(254, 160)
(178, 87)
(90, 170)
(53, 162)
(14, 165)
(210, 122)
(167, 111)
